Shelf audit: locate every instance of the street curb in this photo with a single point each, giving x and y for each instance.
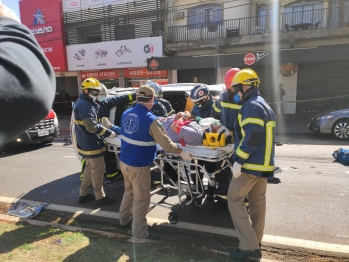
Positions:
(12, 219)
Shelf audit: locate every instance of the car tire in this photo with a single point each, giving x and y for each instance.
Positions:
(340, 129)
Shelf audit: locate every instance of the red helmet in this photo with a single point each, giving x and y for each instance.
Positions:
(229, 77)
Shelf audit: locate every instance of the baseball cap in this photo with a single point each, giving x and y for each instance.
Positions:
(146, 91)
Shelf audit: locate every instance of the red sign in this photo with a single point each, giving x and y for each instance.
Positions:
(153, 64)
(102, 74)
(249, 59)
(44, 19)
(143, 72)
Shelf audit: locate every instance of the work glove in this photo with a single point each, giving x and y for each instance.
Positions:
(236, 170)
(112, 134)
(186, 155)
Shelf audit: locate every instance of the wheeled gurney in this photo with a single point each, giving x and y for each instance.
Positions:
(189, 184)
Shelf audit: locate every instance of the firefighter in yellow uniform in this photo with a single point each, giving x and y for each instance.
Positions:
(253, 164)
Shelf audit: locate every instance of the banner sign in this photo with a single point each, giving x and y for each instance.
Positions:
(143, 72)
(44, 20)
(102, 74)
(113, 54)
(73, 5)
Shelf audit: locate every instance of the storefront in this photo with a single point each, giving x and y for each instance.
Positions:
(135, 77)
(110, 77)
(314, 78)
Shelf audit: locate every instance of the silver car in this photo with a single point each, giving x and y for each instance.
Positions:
(332, 122)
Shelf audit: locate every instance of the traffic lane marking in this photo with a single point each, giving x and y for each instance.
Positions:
(267, 239)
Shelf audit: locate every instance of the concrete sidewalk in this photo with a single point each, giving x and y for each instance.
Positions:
(285, 124)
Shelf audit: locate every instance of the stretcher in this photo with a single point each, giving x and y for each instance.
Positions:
(190, 175)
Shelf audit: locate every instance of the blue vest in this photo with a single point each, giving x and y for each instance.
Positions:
(138, 147)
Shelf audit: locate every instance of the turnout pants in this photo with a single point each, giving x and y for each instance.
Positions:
(136, 198)
(93, 174)
(250, 233)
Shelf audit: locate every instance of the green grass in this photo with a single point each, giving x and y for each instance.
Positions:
(20, 242)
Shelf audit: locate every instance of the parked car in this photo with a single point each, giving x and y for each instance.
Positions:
(43, 132)
(332, 122)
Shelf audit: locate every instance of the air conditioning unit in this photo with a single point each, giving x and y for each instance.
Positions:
(179, 14)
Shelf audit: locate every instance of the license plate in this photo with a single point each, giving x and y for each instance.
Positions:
(43, 133)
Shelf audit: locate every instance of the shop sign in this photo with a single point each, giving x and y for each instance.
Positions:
(113, 54)
(143, 72)
(153, 64)
(103, 74)
(44, 20)
(251, 58)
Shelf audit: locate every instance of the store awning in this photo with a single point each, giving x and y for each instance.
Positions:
(300, 55)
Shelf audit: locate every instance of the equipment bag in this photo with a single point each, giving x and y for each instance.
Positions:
(342, 156)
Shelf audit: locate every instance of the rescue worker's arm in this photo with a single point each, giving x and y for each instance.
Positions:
(27, 78)
(158, 109)
(216, 109)
(92, 125)
(120, 100)
(168, 107)
(252, 125)
(158, 132)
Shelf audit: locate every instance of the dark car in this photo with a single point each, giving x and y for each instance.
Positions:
(332, 122)
(43, 132)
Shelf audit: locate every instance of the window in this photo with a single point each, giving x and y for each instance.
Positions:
(303, 12)
(123, 32)
(205, 16)
(336, 12)
(90, 34)
(262, 17)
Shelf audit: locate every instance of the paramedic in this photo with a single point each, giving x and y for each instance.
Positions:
(105, 105)
(253, 164)
(89, 142)
(158, 92)
(200, 96)
(27, 78)
(227, 107)
(140, 131)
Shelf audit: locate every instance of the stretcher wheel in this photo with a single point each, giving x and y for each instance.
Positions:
(198, 202)
(212, 182)
(173, 217)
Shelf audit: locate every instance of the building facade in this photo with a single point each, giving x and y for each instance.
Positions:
(301, 44)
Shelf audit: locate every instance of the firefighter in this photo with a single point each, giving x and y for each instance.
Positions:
(253, 164)
(200, 96)
(227, 107)
(158, 92)
(89, 142)
(105, 105)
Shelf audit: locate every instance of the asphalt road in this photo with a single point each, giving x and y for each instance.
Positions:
(309, 200)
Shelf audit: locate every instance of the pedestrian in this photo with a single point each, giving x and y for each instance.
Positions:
(27, 79)
(202, 99)
(158, 92)
(140, 131)
(254, 138)
(105, 105)
(89, 142)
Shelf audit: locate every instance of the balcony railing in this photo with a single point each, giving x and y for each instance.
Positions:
(297, 21)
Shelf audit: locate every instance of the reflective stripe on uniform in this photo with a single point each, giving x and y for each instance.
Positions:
(102, 132)
(136, 142)
(172, 111)
(130, 97)
(215, 108)
(269, 142)
(78, 122)
(249, 120)
(91, 153)
(112, 175)
(265, 168)
(241, 153)
(231, 106)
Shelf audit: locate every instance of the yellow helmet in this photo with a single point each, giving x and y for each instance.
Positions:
(246, 76)
(91, 83)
